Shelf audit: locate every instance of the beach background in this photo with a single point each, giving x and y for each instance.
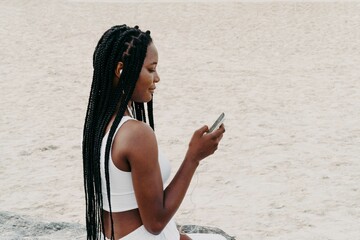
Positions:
(286, 74)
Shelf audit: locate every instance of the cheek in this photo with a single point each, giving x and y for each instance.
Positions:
(146, 79)
(143, 83)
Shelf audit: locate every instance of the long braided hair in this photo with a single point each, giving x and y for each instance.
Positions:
(118, 44)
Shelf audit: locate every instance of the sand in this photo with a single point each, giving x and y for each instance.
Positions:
(286, 74)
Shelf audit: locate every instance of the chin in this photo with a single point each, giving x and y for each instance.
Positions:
(143, 99)
(150, 98)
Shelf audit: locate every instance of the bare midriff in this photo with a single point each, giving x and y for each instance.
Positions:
(124, 222)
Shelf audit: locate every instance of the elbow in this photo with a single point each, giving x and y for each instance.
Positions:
(155, 227)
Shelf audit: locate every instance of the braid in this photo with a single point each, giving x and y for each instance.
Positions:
(150, 114)
(119, 43)
(139, 111)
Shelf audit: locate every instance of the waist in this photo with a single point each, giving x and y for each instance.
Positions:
(119, 202)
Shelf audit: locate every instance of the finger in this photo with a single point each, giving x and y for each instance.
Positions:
(219, 131)
(220, 137)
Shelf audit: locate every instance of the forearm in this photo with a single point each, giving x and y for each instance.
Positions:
(200, 146)
(163, 204)
(176, 190)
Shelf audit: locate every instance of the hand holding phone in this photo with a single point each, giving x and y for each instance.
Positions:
(217, 123)
(203, 145)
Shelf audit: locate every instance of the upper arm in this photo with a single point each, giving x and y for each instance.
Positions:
(142, 154)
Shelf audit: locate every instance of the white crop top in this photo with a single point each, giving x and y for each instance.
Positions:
(121, 185)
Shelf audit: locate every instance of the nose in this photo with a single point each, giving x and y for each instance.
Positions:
(157, 78)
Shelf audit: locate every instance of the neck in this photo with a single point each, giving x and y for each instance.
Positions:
(129, 110)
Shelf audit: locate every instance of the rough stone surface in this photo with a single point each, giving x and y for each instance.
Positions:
(16, 227)
(204, 229)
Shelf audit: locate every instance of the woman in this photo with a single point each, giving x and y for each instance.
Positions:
(120, 153)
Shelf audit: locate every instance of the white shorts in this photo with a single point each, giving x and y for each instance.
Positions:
(170, 232)
(205, 236)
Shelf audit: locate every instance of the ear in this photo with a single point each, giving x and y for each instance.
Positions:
(118, 69)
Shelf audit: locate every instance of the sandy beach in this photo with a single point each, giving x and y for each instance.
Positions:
(286, 74)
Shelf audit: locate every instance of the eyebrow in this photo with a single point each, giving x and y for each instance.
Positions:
(151, 64)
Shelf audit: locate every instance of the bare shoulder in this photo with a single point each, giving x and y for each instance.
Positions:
(134, 130)
(135, 137)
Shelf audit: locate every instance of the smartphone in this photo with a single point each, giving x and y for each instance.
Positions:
(217, 123)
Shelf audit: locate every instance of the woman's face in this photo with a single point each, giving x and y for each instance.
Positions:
(145, 85)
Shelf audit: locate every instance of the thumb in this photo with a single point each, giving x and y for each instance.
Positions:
(202, 130)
